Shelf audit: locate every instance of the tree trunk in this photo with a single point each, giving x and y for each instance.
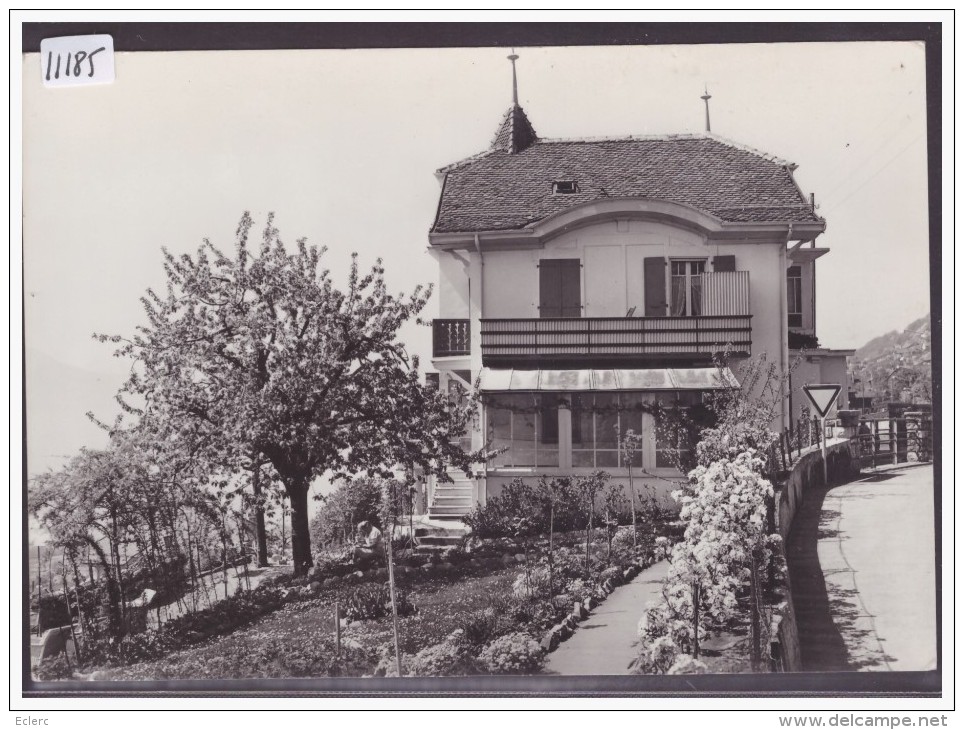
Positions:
(552, 515)
(632, 497)
(755, 648)
(261, 534)
(696, 620)
(300, 535)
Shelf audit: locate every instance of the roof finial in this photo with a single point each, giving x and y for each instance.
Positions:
(515, 85)
(706, 99)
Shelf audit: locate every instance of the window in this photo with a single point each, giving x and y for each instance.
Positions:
(526, 426)
(687, 289)
(794, 297)
(564, 187)
(560, 288)
(595, 420)
(672, 441)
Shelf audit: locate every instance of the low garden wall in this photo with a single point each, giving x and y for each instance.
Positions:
(806, 474)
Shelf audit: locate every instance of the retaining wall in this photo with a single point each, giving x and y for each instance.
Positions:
(807, 473)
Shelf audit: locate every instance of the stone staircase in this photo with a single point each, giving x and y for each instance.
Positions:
(437, 539)
(452, 500)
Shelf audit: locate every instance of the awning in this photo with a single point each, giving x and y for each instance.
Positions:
(496, 380)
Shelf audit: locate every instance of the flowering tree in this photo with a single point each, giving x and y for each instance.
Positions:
(261, 353)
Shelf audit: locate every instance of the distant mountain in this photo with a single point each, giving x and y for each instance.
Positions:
(897, 365)
(895, 340)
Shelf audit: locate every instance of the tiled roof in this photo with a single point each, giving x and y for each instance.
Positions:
(499, 190)
(515, 133)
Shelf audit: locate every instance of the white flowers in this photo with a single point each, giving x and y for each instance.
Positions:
(725, 508)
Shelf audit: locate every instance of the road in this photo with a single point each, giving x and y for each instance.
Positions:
(862, 569)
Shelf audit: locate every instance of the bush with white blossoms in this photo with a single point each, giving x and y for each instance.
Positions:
(725, 510)
(448, 658)
(685, 664)
(532, 584)
(515, 653)
(657, 656)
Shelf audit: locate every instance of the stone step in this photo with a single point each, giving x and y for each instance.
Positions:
(452, 499)
(439, 540)
(441, 531)
(447, 511)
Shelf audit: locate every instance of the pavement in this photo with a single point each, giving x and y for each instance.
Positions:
(862, 571)
(606, 643)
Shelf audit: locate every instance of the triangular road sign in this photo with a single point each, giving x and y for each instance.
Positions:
(823, 396)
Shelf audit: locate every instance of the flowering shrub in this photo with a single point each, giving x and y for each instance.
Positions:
(139, 647)
(685, 664)
(520, 499)
(309, 660)
(612, 573)
(727, 442)
(446, 659)
(374, 601)
(623, 539)
(480, 627)
(657, 657)
(530, 586)
(515, 653)
(725, 511)
(724, 508)
(53, 668)
(578, 589)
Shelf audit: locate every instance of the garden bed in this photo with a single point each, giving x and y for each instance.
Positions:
(465, 603)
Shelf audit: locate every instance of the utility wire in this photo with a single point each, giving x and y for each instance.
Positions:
(870, 158)
(874, 174)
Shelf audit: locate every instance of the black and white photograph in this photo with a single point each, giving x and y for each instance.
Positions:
(596, 366)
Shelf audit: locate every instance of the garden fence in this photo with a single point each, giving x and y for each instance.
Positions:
(877, 441)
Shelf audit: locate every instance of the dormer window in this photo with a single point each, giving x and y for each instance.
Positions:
(564, 187)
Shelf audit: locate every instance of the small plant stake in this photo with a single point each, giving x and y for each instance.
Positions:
(337, 629)
(391, 590)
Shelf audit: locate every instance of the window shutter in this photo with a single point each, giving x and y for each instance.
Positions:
(724, 263)
(654, 286)
(560, 288)
(570, 276)
(549, 296)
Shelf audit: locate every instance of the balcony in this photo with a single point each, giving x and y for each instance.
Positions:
(723, 322)
(450, 338)
(613, 338)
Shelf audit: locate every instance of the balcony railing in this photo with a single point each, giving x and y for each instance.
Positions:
(613, 337)
(450, 337)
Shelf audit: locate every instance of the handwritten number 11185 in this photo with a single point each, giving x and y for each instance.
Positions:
(77, 59)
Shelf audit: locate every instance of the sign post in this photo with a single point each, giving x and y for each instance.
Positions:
(822, 396)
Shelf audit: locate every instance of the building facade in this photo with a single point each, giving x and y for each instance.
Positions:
(583, 280)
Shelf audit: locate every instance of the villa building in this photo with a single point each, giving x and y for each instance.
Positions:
(579, 278)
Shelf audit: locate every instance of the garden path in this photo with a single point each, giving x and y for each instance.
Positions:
(606, 643)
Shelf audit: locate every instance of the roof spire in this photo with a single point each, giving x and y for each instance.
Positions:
(515, 132)
(515, 84)
(706, 99)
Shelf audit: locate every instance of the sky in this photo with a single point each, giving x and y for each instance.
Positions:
(342, 146)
